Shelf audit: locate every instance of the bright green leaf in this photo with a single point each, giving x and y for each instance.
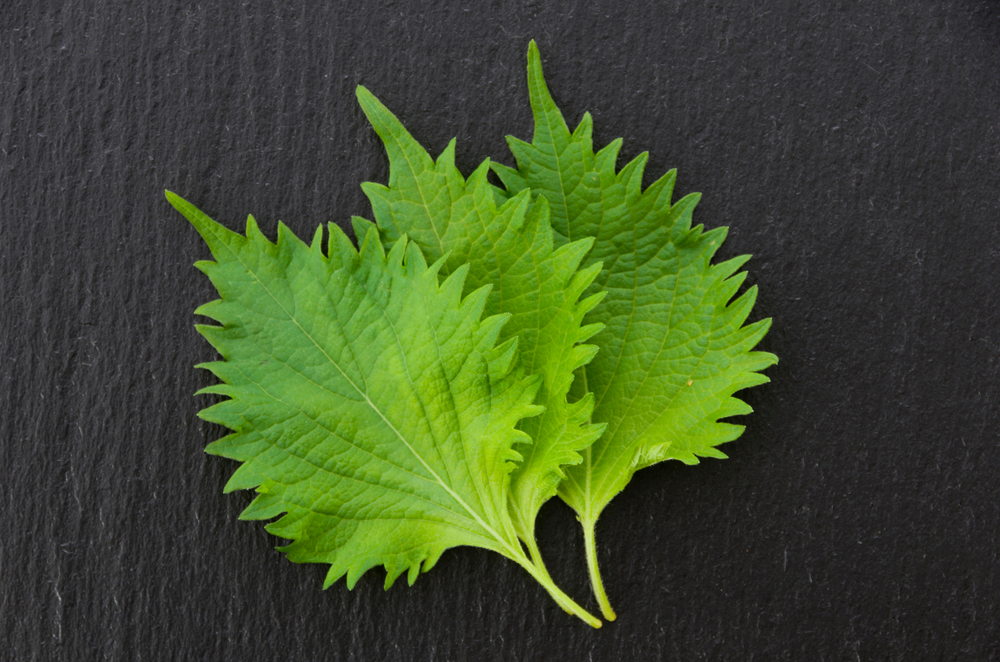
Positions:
(371, 406)
(674, 349)
(539, 286)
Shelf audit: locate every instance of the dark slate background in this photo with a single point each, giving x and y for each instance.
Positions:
(851, 147)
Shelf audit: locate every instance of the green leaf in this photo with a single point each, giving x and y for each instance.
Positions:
(538, 285)
(674, 349)
(370, 405)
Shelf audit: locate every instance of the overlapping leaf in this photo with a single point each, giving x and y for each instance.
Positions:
(384, 420)
(369, 404)
(510, 247)
(674, 349)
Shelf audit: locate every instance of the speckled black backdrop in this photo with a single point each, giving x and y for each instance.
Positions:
(853, 148)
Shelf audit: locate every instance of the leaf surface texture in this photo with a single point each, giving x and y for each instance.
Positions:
(370, 405)
(674, 348)
(510, 247)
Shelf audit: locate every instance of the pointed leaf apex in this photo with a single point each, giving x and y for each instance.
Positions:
(371, 250)
(220, 240)
(447, 156)
(361, 226)
(402, 147)
(478, 178)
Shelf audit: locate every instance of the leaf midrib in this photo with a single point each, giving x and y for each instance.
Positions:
(332, 433)
(364, 395)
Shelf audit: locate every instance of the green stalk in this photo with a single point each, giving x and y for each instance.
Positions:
(595, 573)
(541, 575)
(536, 568)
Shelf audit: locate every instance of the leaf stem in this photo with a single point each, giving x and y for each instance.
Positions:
(536, 568)
(536, 554)
(541, 575)
(595, 573)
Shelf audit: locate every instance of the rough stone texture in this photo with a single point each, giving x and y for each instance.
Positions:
(853, 148)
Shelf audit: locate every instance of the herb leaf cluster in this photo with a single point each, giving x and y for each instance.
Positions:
(482, 350)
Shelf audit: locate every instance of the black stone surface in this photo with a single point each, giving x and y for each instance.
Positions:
(853, 148)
